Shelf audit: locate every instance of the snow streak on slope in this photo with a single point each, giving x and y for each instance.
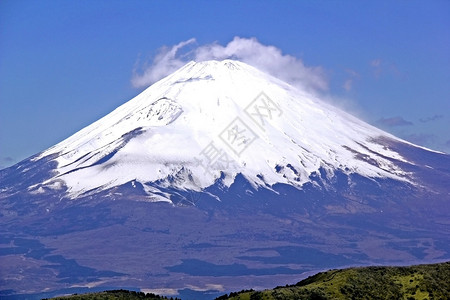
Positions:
(210, 120)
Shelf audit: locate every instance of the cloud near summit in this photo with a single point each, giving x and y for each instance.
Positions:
(394, 121)
(266, 58)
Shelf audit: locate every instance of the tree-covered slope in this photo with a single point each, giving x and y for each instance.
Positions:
(115, 295)
(415, 282)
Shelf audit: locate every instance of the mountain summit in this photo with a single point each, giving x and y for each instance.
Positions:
(216, 178)
(218, 119)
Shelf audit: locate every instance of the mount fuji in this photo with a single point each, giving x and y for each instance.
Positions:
(216, 178)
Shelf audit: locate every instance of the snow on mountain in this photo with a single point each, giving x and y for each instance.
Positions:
(216, 119)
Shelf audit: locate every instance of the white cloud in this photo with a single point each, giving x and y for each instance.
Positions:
(348, 84)
(375, 63)
(382, 67)
(165, 62)
(268, 59)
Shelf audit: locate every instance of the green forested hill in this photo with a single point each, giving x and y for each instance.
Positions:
(115, 295)
(416, 282)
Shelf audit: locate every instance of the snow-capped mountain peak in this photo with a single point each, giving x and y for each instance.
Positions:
(217, 119)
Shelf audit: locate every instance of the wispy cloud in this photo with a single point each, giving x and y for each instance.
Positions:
(165, 62)
(348, 84)
(431, 119)
(423, 139)
(267, 58)
(394, 121)
(376, 63)
(6, 161)
(377, 68)
(380, 67)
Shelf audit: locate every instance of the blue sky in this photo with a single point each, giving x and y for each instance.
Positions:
(64, 64)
